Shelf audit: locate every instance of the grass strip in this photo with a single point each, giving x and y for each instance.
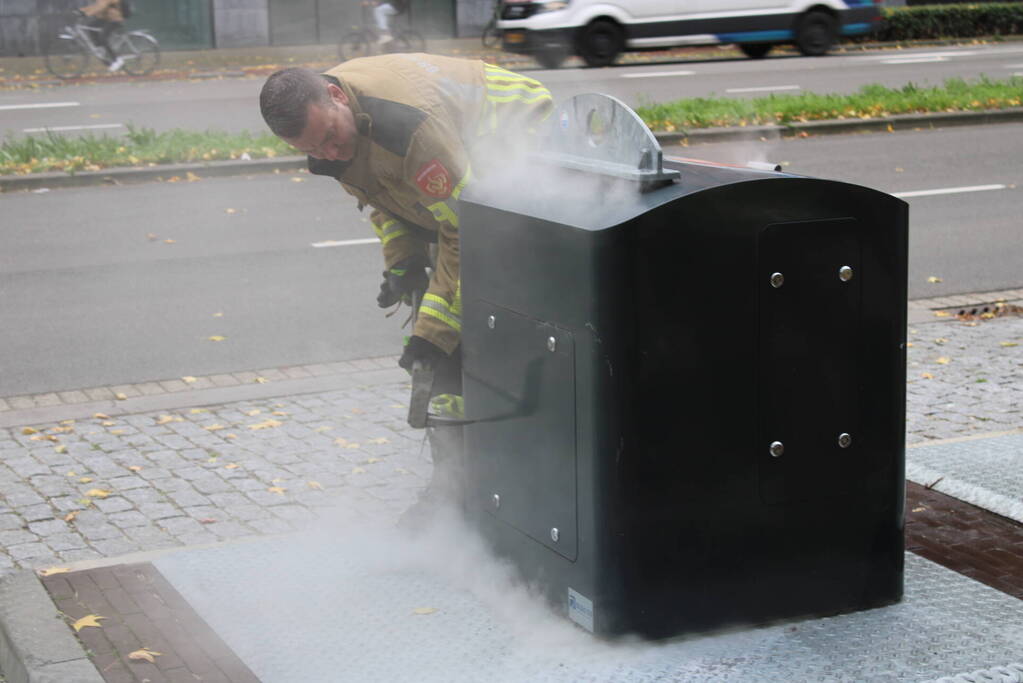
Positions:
(137, 147)
(869, 102)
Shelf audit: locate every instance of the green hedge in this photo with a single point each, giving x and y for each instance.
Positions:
(951, 21)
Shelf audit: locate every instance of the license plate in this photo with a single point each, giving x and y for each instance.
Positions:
(514, 37)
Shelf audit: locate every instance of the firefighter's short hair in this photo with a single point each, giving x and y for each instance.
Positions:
(286, 96)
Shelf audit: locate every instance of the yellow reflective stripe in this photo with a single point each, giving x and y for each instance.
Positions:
(461, 184)
(438, 308)
(442, 212)
(519, 97)
(516, 85)
(456, 305)
(496, 73)
(389, 230)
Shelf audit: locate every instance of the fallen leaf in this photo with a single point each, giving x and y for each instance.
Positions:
(214, 428)
(379, 439)
(425, 610)
(207, 520)
(297, 180)
(164, 419)
(188, 379)
(108, 423)
(216, 338)
(53, 570)
(146, 654)
(322, 429)
(373, 460)
(910, 345)
(401, 470)
(69, 517)
(197, 411)
(231, 466)
(987, 316)
(358, 470)
(277, 489)
(101, 416)
(919, 509)
(266, 424)
(191, 177)
(86, 621)
(254, 411)
(1008, 344)
(134, 468)
(28, 430)
(358, 411)
(341, 441)
(927, 375)
(941, 314)
(121, 397)
(934, 279)
(230, 436)
(85, 480)
(97, 493)
(230, 210)
(117, 432)
(218, 315)
(315, 485)
(153, 237)
(72, 474)
(261, 380)
(170, 242)
(940, 340)
(85, 502)
(278, 412)
(943, 360)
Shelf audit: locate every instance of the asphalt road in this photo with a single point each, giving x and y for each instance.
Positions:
(92, 294)
(231, 104)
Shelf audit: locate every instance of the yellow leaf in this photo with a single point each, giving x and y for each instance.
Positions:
(164, 419)
(145, 653)
(216, 338)
(85, 480)
(231, 466)
(379, 439)
(315, 485)
(425, 610)
(322, 429)
(341, 441)
(373, 460)
(943, 360)
(358, 470)
(108, 423)
(230, 436)
(261, 380)
(941, 314)
(927, 375)
(910, 345)
(987, 316)
(117, 432)
(169, 241)
(277, 489)
(86, 621)
(266, 424)
(254, 411)
(28, 430)
(134, 468)
(278, 412)
(297, 180)
(197, 411)
(72, 473)
(230, 210)
(218, 315)
(191, 177)
(940, 340)
(934, 279)
(70, 516)
(214, 428)
(101, 416)
(188, 379)
(97, 493)
(54, 570)
(121, 397)
(1008, 344)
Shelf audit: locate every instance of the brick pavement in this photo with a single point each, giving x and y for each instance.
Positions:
(102, 487)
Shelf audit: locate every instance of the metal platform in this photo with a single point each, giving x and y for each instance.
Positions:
(986, 472)
(359, 604)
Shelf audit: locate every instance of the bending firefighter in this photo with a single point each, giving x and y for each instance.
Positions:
(406, 134)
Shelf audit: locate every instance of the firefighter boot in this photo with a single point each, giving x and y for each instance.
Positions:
(447, 483)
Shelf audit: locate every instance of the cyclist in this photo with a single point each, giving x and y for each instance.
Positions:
(382, 14)
(106, 15)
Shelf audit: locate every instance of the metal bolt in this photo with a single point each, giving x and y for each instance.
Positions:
(491, 321)
(554, 534)
(777, 449)
(497, 501)
(552, 344)
(844, 440)
(777, 280)
(845, 273)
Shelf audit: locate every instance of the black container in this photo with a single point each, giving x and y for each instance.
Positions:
(689, 401)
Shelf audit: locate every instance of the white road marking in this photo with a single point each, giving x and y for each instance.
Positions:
(765, 88)
(659, 74)
(1014, 66)
(914, 60)
(66, 128)
(948, 190)
(39, 105)
(345, 243)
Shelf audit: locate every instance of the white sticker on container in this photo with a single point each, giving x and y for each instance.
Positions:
(580, 610)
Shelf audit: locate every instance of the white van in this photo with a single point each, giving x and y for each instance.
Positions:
(599, 30)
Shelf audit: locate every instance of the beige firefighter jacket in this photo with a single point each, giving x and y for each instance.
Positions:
(107, 10)
(423, 122)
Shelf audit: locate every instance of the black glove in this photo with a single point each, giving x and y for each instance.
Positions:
(419, 349)
(401, 279)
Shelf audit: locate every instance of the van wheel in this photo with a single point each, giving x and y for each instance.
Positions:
(600, 43)
(551, 58)
(755, 50)
(816, 33)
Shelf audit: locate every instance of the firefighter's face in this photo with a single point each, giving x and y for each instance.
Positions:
(330, 131)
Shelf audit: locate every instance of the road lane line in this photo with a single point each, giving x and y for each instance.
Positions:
(659, 74)
(948, 190)
(914, 60)
(39, 105)
(764, 88)
(345, 243)
(66, 128)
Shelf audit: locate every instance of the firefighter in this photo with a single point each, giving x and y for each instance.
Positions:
(405, 135)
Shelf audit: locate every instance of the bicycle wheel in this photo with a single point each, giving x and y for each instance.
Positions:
(354, 45)
(65, 57)
(140, 52)
(491, 35)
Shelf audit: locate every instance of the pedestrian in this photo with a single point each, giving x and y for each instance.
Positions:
(383, 14)
(405, 134)
(107, 16)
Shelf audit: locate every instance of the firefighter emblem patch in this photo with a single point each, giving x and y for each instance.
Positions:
(433, 179)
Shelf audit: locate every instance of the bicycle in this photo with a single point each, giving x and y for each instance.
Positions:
(491, 34)
(363, 41)
(68, 52)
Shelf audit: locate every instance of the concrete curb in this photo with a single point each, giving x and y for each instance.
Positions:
(36, 645)
(119, 176)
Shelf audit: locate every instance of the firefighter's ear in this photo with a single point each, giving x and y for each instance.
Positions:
(337, 95)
